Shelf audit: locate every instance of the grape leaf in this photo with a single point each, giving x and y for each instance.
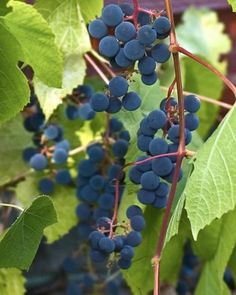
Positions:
(11, 282)
(233, 4)
(210, 191)
(90, 10)
(19, 244)
(3, 7)
(14, 90)
(14, 138)
(64, 202)
(42, 53)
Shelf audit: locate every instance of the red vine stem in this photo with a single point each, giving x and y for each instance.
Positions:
(206, 65)
(136, 12)
(96, 68)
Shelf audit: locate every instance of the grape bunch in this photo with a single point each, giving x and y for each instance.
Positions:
(123, 43)
(78, 103)
(155, 174)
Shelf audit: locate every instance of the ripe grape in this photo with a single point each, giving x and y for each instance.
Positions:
(146, 197)
(191, 121)
(160, 202)
(38, 162)
(114, 106)
(160, 53)
(97, 256)
(109, 46)
(60, 156)
(125, 135)
(125, 32)
(106, 201)
(63, 177)
(134, 239)
(143, 18)
(124, 264)
(145, 128)
(115, 125)
(97, 182)
(135, 175)
(107, 245)
(72, 112)
(83, 211)
(149, 79)
(28, 153)
(127, 253)
(143, 142)
(131, 101)
(99, 102)
(86, 168)
(191, 103)
(147, 65)
(86, 112)
(158, 146)
(127, 9)
(98, 29)
(96, 153)
(46, 186)
(118, 86)
(162, 190)
(112, 15)
(149, 180)
(144, 167)
(63, 144)
(173, 134)
(94, 238)
(170, 102)
(133, 210)
(120, 148)
(146, 35)
(119, 243)
(156, 119)
(137, 223)
(162, 27)
(133, 50)
(162, 166)
(51, 132)
(122, 60)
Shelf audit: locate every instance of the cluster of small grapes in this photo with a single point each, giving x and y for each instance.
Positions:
(166, 119)
(50, 150)
(124, 44)
(78, 103)
(116, 97)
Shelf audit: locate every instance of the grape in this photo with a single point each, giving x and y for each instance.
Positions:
(169, 178)
(63, 177)
(156, 119)
(98, 213)
(124, 264)
(97, 182)
(83, 211)
(115, 125)
(72, 112)
(88, 281)
(133, 210)
(118, 86)
(133, 50)
(46, 186)
(191, 103)
(97, 29)
(106, 201)
(125, 135)
(107, 245)
(144, 167)
(146, 35)
(119, 243)
(63, 144)
(127, 9)
(137, 223)
(143, 18)
(97, 256)
(162, 166)
(34, 122)
(73, 288)
(86, 112)
(125, 32)
(114, 106)
(38, 162)
(158, 146)
(162, 190)
(143, 142)
(134, 239)
(112, 15)
(173, 134)
(160, 53)
(94, 238)
(60, 156)
(89, 194)
(28, 153)
(172, 148)
(149, 79)
(171, 102)
(99, 102)
(84, 230)
(120, 148)
(146, 129)
(162, 27)
(149, 180)
(115, 171)
(147, 65)
(86, 91)
(86, 168)
(131, 101)
(51, 132)
(109, 46)
(127, 253)
(191, 121)
(160, 202)
(135, 175)
(146, 197)
(96, 153)
(122, 60)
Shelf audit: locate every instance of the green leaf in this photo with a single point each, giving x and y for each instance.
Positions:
(211, 279)
(14, 139)
(20, 243)
(42, 53)
(64, 202)
(11, 282)
(3, 7)
(210, 191)
(233, 4)
(14, 90)
(90, 10)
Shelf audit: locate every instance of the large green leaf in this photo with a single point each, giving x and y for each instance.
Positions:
(210, 191)
(90, 9)
(233, 4)
(19, 244)
(11, 282)
(26, 24)
(14, 138)
(3, 7)
(14, 91)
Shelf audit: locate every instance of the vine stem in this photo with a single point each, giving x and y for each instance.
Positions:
(96, 68)
(11, 206)
(227, 82)
(136, 12)
(181, 152)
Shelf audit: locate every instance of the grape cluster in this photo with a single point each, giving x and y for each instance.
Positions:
(116, 97)
(78, 103)
(155, 174)
(124, 44)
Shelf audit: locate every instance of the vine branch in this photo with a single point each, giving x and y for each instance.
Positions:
(11, 206)
(96, 68)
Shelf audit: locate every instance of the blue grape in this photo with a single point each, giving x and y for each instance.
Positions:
(191, 103)
(146, 197)
(137, 223)
(107, 245)
(172, 148)
(158, 146)
(146, 129)
(127, 253)
(143, 142)
(125, 32)
(63, 177)
(84, 230)
(134, 239)
(173, 134)
(115, 171)
(135, 175)
(146, 35)
(51, 132)
(109, 46)
(106, 201)
(60, 156)
(191, 121)
(149, 180)
(72, 112)
(171, 102)
(87, 168)
(120, 148)
(118, 86)
(28, 153)
(131, 101)
(85, 91)
(147, 65)
(97, 182)
(46, 186)
(94, 238)
(127, 9)
(88, 194)
(160, 202)
(119, 243)
(96, 153)
(125, 135)
(144, 167)
(97, 256)
(162, 190)
(103, 223)
(162, 166)
(114, 106)
(83, 211)
(169, 178)
(63, 144)
(143, 18)
(38, 162)
(162, 27)
(34, 122)
(98, 213)
(124, 264)
(122, 60)
(133, 50)
(73, 289)
(133, 210)
(99, 102)
(149, 79)
(160, 53)
(156, 119)
(97, 29)
(112, 15)
(115, 125)
(86, 112)
(88, 281)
